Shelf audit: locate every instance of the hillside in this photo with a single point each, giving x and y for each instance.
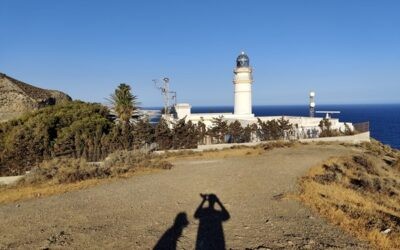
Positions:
(17, 97)
(359, 193)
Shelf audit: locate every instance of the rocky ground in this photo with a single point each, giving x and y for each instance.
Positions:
(139, 212)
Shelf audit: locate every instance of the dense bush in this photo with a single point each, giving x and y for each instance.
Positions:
(82, 130)
(124, 161)
(163, 135)
(239, 134)
(185, 135)
(75, 129)
(178, 135)
(274, 129)
(219, 129)
(72, 129)
(326, 129)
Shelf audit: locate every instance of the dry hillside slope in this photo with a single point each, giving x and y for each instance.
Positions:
(360, 193)
(17, 97)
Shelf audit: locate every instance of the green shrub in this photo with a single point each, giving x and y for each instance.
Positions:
(326, 129)
(273, 129)
(163, 135)
(73, 129)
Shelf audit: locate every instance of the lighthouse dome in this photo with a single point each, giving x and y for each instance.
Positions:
(242, 60)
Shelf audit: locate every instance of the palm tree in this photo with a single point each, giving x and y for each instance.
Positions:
(124, 102)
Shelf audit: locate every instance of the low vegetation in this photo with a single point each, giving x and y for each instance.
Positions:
(326, 129)
(274, 129)
(81, 130)
(63, 174)
(360, 193)
(86, 131)
(69, 170)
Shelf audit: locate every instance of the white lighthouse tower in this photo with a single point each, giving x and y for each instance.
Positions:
(242, 81)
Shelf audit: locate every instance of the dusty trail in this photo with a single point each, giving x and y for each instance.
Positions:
(135, 213)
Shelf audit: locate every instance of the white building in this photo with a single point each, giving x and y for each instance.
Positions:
(243, 80)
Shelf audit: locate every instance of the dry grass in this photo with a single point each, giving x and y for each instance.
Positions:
(69, 170)
(9, 194)
(360, 193)
(25, 192)
(234, 151)
(60, 175)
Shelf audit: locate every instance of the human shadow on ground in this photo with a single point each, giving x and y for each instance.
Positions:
(170, 238)
(210, 234)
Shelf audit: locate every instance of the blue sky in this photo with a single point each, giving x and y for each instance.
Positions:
(348, 51)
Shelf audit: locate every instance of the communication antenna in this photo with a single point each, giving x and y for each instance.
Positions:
(174, 97)
(163, 85)
(312, 104)
(328, 114)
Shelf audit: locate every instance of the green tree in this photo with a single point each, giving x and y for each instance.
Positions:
(248, 132)
(73, 129)
(219, 129)
(201, 132)
(326, 128)
(235, 130)
(124, 102)
(284, 126)
(163, 135)
(348, 130)
(185, 135)
(273, 129)
(143, 133)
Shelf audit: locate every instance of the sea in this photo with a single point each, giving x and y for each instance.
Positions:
(384, 119)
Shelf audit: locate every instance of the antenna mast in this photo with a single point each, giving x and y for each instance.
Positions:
(164, 87)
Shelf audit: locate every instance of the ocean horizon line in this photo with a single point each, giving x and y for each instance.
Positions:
(282, 105)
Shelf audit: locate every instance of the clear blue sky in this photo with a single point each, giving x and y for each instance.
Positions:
(348, 51)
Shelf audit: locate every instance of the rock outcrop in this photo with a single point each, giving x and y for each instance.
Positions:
(17, 97)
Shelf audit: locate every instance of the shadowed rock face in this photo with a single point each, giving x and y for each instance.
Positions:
(17, 97)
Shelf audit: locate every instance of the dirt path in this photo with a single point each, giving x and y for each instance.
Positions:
(135, 213)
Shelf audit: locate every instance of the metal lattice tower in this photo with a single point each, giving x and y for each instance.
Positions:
(168, 95)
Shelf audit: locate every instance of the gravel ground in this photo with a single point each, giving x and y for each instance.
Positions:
(137, 213)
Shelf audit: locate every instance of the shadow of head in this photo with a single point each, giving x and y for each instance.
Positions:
(181, 220)
(170, 238)
(212, 199)
(210, 234)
